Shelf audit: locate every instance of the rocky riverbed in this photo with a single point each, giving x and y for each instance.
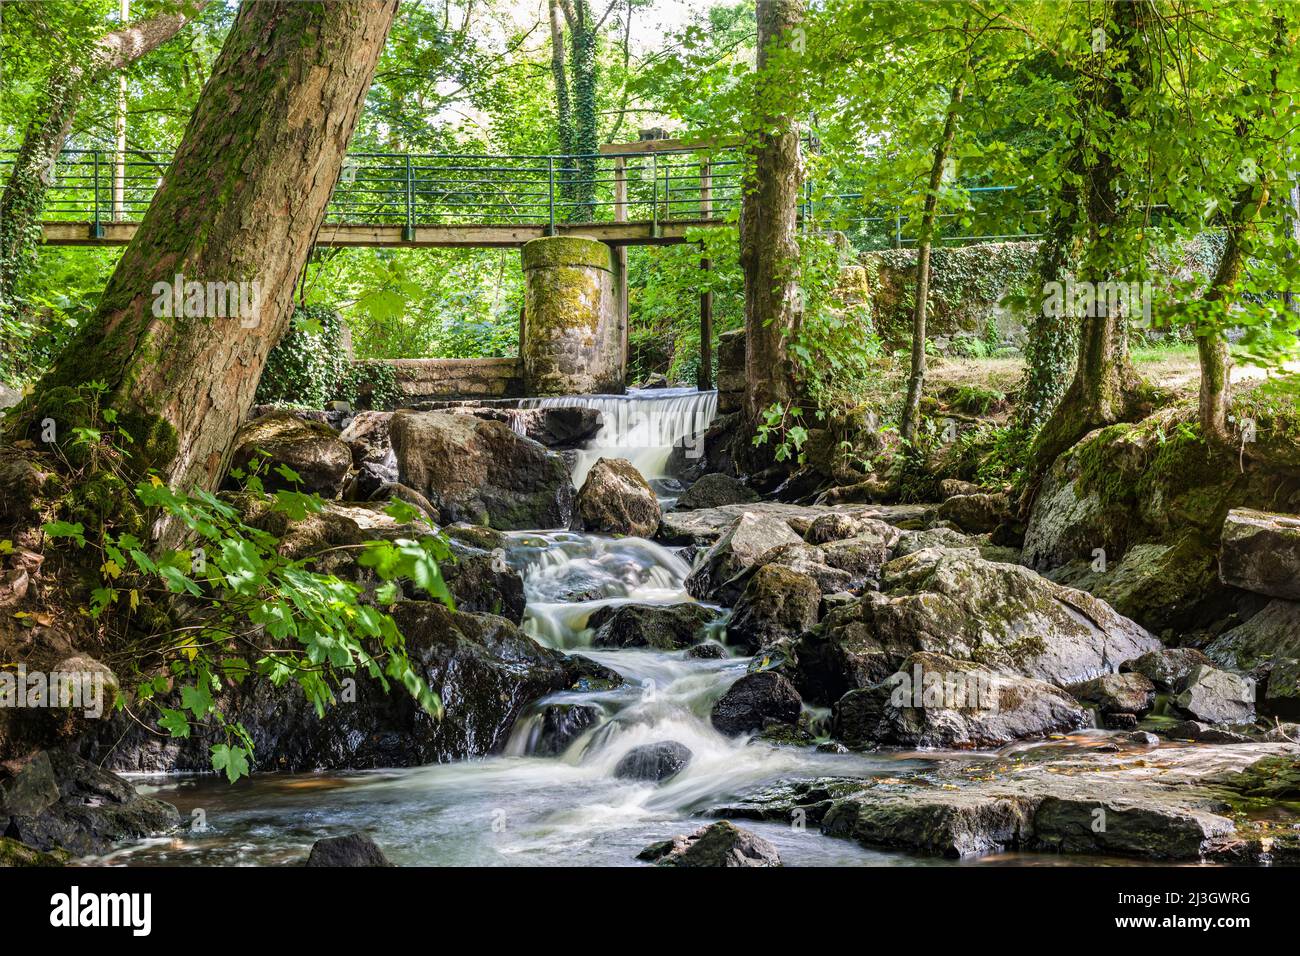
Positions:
(854, 683)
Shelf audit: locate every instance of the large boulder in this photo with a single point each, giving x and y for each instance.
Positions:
(959, 605)
(719, 844)
(667, 627)
(653, 763)
(481, 471)
(355, 849)
(310, 449)
(836, 526)
(1268, 648)
(976, 513)
(713, 491)
(485, 670)
(749, 537)
(615, 499)
(558, 727)
(1260, 552)
(936, 701)
(754, 702)
(1216, 696)
(57, 801)
(1167, 667)
(1130, 693)
(777, 603)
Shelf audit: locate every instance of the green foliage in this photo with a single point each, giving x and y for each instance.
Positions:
(245, 611)
(309, 367)
(782, 425)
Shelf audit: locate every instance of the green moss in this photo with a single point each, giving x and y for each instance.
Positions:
(552, 251)
(15, 854)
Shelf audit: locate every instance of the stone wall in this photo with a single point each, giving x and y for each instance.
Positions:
(434, 379)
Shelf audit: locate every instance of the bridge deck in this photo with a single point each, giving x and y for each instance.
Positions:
(643, 233)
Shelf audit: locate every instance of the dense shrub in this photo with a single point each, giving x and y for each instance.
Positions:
(310, 367)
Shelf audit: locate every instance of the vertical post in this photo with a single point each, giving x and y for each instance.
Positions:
(654, 195)
(619, 257)
(898, 230)
(550, 193)
(704, 374)
(96, 229)
(408, 231)
(119, 159)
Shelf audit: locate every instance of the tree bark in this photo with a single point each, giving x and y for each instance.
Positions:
(242, 202)
(769, 248)
(912, 404)
(24, 193)
(1106, 387)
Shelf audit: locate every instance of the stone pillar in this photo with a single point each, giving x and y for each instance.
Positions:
(573, 339)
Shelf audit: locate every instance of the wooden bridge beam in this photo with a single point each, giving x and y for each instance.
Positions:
(459, 236)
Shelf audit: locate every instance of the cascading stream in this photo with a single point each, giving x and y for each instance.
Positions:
(642, 426)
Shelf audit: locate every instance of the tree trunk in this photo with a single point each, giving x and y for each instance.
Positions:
(1052, 348)
(769, 248)
(24, 193)
(1106, 388)
(912, 404)
(241, 203)
(560, 76)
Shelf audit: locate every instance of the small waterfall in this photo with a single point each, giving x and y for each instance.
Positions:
(642, 426)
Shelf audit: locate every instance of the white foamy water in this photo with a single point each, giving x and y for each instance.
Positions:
(642, 426)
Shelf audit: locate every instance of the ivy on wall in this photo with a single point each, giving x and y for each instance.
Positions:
(310, 367)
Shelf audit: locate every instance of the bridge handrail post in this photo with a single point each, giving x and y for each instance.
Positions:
(96, 229)
(550, 194)
(654, 195)
(408, 232)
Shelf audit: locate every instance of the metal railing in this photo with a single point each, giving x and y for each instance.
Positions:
(654, 186)
(428, 189)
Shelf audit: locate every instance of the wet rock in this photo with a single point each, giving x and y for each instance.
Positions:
(560, 726)
(482, 667)
(1260, 552)
(719, 844)
(1154, 831)
(14, 854)
(1166, 668)
(355, 849)
(310, 449)
(655, 762)
(668, 627)
(945, 824)
(1216, 697)
(557, 426)
(92, 809)
(367, 437)
(754, 701)
(615, 499)
(1142, 738)
(707, 651)
(957, 604)
(777, 603)
(976, 513)
(1269, 778)
(747, 540)
(704, 526)
(935, 701)
(1117, 693)
(481, 471)
(1200, 733)
(1267, 646)
(713, 491)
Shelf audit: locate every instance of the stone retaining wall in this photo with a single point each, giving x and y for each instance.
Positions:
(421, 379)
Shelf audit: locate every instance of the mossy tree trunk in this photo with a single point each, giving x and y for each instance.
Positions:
(575, 103)
(1052, 348)
(24, 193)
(1106, 387)
(241, 202)
(769, 246)
(911, 417)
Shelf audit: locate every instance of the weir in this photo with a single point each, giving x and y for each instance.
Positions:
(643, 426)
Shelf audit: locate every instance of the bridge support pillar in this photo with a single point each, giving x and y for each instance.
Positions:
(572, 342)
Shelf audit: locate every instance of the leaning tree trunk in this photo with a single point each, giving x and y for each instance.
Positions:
(241, 203)
(24, 193)
(1106, 387)
(769, 247)
(912, 404)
